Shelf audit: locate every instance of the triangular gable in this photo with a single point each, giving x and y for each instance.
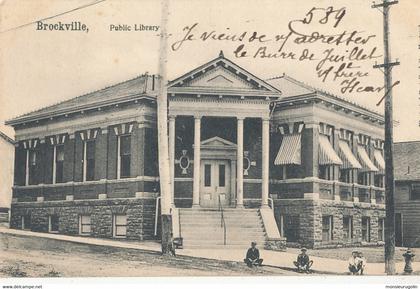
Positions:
(217, 142)
(290, 86)
(223, 72)
(220, 77)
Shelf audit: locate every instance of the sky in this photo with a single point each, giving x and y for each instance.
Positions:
(39, 68)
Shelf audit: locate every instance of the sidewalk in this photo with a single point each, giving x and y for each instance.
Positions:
(283, 260)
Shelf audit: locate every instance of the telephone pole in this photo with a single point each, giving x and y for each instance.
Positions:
(386, 68)
(163, 142)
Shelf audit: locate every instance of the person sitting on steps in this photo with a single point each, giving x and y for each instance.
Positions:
(253, 256)
(303, 264)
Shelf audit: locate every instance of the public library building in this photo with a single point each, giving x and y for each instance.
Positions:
(285, 162)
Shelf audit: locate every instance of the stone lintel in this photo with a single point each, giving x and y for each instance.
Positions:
(102, 196)
(311, 196)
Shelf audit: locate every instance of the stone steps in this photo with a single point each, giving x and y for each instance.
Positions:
(201, 228)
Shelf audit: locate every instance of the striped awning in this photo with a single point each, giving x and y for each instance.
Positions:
(326, 153)
(379, 161)
(289, 152)
(348, 158)
(367, 164)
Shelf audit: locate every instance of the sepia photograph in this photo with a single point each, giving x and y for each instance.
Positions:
(235, 143)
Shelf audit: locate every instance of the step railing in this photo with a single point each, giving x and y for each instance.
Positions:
(222, 221)
(271, 205)
(157, 214)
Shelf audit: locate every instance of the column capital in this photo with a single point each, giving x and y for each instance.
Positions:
(197, 117)
(240, 118)
(266, 118)
(171, 117)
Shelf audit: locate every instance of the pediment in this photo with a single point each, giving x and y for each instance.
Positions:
(222, 73)
(217, 142)
(220, 78)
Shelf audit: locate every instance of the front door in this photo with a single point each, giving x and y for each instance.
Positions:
(215, 183)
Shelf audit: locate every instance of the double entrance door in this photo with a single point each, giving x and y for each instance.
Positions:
(215, 183)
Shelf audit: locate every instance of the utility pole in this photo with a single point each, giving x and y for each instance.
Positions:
(163, 142)
(388, 145)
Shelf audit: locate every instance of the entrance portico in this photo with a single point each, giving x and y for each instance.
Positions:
(221, 89)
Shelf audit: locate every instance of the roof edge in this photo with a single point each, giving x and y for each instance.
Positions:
(7, 138)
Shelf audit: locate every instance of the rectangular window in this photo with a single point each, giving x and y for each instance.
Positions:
(379, 181)
(347, 228)
(222, 175)
(365, 229)
(324, 172)
(345, 176)
(415, 192)
(32, 167)
(207, 175)
(327, 228)
(363, 178)
(59, 163)
(85, 225)
(381, 229)
(124, 147)
(89, 160)
(53, 222)
(26, 222)
(290, 227)
(120, 226)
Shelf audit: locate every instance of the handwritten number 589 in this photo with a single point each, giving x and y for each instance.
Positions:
(338, 15)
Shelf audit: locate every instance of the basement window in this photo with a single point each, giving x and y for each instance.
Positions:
(26, 222)
(348, 228)
(85, 227)
(366, 229)
(381, 229)
(119, 226)
(327, 228)
(53, 224)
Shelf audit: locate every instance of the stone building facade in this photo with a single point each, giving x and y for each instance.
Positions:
(309, 162)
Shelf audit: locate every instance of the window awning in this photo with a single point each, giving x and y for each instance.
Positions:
(326, 153)
(379, 161)
(348, 158)
(367, 164)
(289, 152)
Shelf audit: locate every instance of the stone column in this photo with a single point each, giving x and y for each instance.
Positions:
(240, 164)
(197, 157)
(172, 155)
(265, 161)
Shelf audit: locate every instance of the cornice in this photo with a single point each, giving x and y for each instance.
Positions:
(96, 106)
(337, 104)
(223, 92)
